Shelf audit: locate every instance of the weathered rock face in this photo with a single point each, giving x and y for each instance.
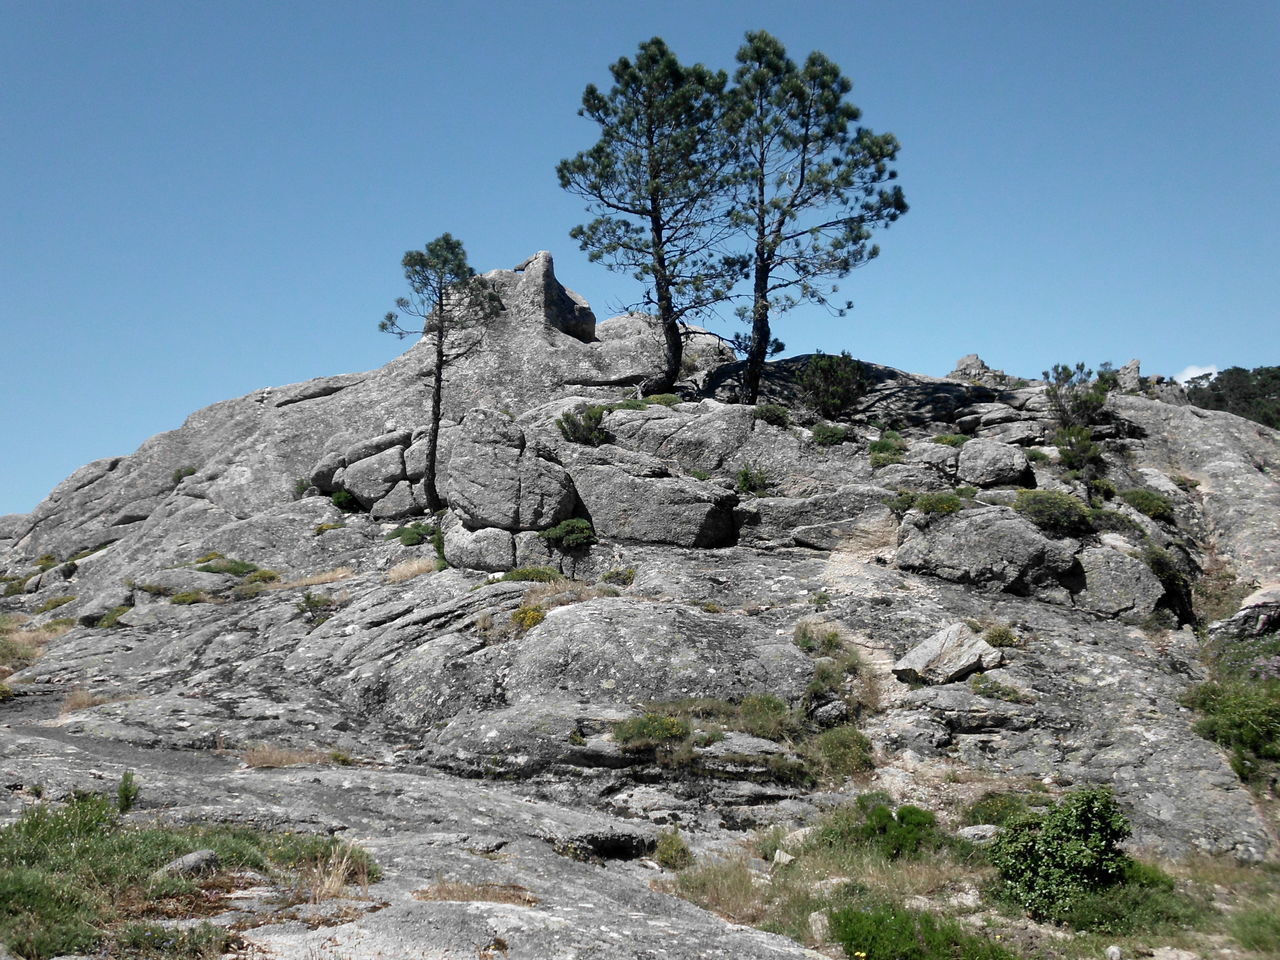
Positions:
(725, 546)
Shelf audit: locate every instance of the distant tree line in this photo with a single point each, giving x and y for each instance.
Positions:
(697, 184)
(1254, 394)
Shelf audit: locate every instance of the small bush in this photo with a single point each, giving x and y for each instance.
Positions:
(620, 576)
(663, 399)
(828, 435)
(112, 617)
(650, 730)
(126, 792)
(966, 493)
(832, 384)
(999, 807)
(569, 535)
(1257, 929)
(1244, 717)
(895, 933)
(700, 475)
(902, 501)
(1001, 635)
(300, 487)
(752, 479)
(182, 473)
(773, 414)
(839, 753)
(1037, 456)
(1058, 514)
(817, 638)
(1076, 449)
(940, 503)
(53, 603)
(346, 501)
(526, 618)
(188, 597)
(871, 823)
(951, 439)
(46, 561)
(585, 427)
(237, 568)
(315, 608)
(262, 576)
(1112, 521)
(888, 449)
(412, 535)
(1048, 861)
(533, 574)
(672, 852)
(1149, 502)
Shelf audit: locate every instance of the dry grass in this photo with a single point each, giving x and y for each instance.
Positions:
(410, 569)
(80, 699)
(316, 579)
(477, 893)
(560, 593)
(22, 645)
(329, 878)
(266, 756)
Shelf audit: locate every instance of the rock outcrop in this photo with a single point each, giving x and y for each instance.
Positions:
(210, 590)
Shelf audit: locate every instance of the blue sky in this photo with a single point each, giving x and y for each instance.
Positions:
(204, 199)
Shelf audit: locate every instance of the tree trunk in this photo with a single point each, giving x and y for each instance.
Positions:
(434, 503)
(760, 334)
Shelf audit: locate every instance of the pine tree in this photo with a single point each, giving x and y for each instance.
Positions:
(452, 302)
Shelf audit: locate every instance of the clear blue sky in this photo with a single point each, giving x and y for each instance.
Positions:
(204, 199)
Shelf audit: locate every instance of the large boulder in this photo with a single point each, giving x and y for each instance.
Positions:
(951, 654)
(676, 510)
(497, 478)
(1117, 586)
(986, 463)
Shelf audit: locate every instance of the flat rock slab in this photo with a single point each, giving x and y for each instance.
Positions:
(950, 654)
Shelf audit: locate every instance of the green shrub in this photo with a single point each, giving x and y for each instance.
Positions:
(585, 427)
(237, 568)
(1075, 398)
(300, 487)
(620, 576)
(1076, 449)
(875, 932)
(315, 608)
(966, 493)
(569, 535)
(6, 692)
(829, 675)
(816, 638)
(1143, 901)
(828, 435)
(527, 617)
(1000, 807)
(1167, 570)
(872, 823)
(753, 479)
(672, 852)
(649, 731)
(700, 475)
(262, 576)
(1244, 717)
(111, 617)
(663, 399)
(888, 449)
(412, 535)
(46, 561)
(53, 603)
(1037, 456)
(188, 597)
(1001, 635)
(1112, 520)
(951, 439)
(773, 414)
(533, 574)
(16, 585)
(941, 503)
(1257, 929)
(832, 384)
(902, 501)
(839, 753)
(346, 501)
(126, 792)
(764, 715)
(182, 473)
(1058, 514)
(1149, 502)
(1047, 861)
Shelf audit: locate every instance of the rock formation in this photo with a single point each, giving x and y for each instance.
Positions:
(482, 710)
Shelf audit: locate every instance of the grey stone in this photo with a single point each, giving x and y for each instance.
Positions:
(497, 478)
(372, 478)
(950, 654)
(402, 502)
(194, 864)
(488, 548)
(981, 833)
(986, 463)
(675, 510)
(1117, 585)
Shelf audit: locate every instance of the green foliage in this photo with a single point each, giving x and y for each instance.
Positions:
(902, 501)
(323, 528)
(1167, 570)
(993, 689)
(1112, 520)
(752, 479)
(6, 692)
(1058, 514)
(672, 852)
(816, 638)
(1037, 456)
(46, 561)
(1076, 449)
(1075, 398)
(126, 792)
(346, 501)
(1149, 502)
(1257, 929)
(1048, 861)
(652, 182)
(1143, 901)
(413, 534)
(585, 427)
(112, 617)
(875, 932)
(1244, 717)
(663, 399)
(300, 486)
(951, 439)
(570, 535)
(905, 833)
(649, 731)
(527, 617)
(53, 603)
(941, 503)
(838, 753)
(315, 608)
(1001, 807)
(620, 576)
(888, 449)
(832, 384)
(533, 574)
(15, 585)
(188, 597)
(700, 475)
(773, 414)
(237, 568)
(69, 875)
(262, 576)
(182, 473)
(1001, 635)
(827, 435)
(1253, 394)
